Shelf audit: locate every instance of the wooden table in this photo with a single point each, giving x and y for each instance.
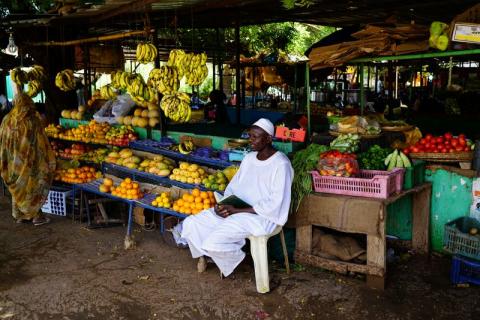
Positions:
(355, 220)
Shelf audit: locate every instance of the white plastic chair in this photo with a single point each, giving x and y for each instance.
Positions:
(258, 249)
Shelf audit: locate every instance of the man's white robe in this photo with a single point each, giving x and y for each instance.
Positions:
(266, 185)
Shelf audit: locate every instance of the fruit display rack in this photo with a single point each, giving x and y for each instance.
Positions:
(146, 203)
(160, 148)
(134, 174)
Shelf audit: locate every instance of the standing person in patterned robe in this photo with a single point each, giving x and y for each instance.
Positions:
(27, 162)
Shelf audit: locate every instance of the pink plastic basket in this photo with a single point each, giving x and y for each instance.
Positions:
(370, 183)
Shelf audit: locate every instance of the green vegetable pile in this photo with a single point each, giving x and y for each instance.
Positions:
(346, 143)
(303, 162)
(374, 158)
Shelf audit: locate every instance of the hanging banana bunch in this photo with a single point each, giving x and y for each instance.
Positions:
(177, 106)
(146, 52)
(195, 66)
(175, 59)
(115, 79)
(18, 76)
(34, 87)
(37, 73)
(164, 79)
(107, 92)
(65, 80)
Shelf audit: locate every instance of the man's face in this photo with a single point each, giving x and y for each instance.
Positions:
(259, 139)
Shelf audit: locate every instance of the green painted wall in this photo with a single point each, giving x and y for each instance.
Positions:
(399, 218)
(451, 199)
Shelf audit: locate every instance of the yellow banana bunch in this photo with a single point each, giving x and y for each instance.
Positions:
(195, 66)
(65, 80)
(124, 79)
(136, 88)
(146, 52)
(37, 73)
(115, 77)
(34, 87)
(107, 92)
(175, 59)
(177, 106)
(18, 76)
(164, 79)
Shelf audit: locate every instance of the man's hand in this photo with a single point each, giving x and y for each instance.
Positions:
(225, 210)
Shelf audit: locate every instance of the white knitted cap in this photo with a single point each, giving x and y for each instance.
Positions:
(266, 125)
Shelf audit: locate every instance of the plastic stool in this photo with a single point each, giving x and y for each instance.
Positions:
(258, 249)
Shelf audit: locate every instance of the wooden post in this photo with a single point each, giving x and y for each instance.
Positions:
(421, 220)
(376, 253)
(237, 68)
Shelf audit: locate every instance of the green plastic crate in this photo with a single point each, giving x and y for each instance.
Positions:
(415, 175)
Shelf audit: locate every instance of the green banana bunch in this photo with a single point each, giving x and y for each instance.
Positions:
(175, 59)
(146, 52)
(18, 76)
(164, 79)
(397, 159)
(37, 73)
(65, 80)
(34, 87)
(107, 92)
(177, 106)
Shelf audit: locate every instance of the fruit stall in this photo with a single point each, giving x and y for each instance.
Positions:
(350, 185)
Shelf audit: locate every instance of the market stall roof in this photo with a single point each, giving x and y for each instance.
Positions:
(121, 14)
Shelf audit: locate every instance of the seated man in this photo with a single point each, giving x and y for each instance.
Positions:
(264, 181)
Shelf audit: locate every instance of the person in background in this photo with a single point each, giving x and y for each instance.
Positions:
(264, 181)
(27, 162)
(215, 108)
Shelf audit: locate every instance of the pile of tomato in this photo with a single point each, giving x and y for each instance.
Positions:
(446, 143)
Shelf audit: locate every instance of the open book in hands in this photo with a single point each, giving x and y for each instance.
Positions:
(232, 200)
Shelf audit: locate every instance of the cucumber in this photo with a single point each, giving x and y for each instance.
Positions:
(406, 161)
(393, 161)
(399, 163)
(387, 159)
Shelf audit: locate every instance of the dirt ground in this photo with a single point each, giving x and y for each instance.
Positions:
(65, 271)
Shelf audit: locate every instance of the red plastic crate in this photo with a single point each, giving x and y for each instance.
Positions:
(369, 183)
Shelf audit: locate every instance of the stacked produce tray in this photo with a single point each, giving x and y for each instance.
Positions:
(161, 148)
(124, 172)
(146, 203)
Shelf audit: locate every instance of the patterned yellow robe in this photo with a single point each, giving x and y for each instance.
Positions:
(27, 162)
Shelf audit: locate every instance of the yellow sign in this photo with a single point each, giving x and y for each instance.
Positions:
(466, 32)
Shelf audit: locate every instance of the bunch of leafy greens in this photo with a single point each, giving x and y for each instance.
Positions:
(303, 162)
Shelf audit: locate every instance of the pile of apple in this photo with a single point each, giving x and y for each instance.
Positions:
(75, 150)
(441, 144)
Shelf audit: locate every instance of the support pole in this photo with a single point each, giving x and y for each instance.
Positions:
(307, 87)
(450, 67)
(237, 68)
(362, 90)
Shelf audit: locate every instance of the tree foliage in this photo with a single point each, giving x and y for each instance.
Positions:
(291, 37)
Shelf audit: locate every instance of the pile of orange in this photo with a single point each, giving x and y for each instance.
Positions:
(127, 189)
(194, 202)
(79, 175)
